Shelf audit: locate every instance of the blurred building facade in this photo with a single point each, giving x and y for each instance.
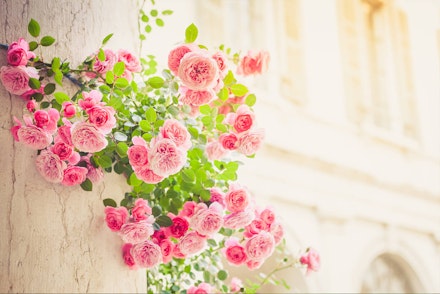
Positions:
(351, 108)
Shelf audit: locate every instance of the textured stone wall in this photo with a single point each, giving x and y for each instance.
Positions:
(53, 238)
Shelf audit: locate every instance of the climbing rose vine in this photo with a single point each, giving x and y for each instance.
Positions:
(177, 137)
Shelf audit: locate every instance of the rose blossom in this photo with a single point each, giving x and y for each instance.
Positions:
(254, 264)
(136, 232)
(276, 229)
(50, 166)
(172, 129)
(217, 196)
(177, 253)
(63, 150)
(87, 138)
(214, 150)
(166, 248)
(90, 99)
(137, 155)
(141, 210)
(256, 226)
(253, 63)
(312, 259)
(268, 216)
(202, 288)
(208, 221)
(165, 157)
(237, 198)
(236, 285)
(47, 119)
(191, 243)
(221, 59)
(33, 137)
(115, 217)
(126, 255)
(234, 252)
(68, 109)
(159, 236)
(198, 71)
(260, 246)
(146, 254)
(243, 119)
(19, 53)
(178, 228)
(176, 55)
(147, 175)
(74, 175)
(29, 93)
(188, 209)
(131, 62)
(64, 133)
(103, 117)
(237, 220)
(228, 141)
(107, 64)
(196, 98)
(15, 79)
(250, 141)
(94, 174)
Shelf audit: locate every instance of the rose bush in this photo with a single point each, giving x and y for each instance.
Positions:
(173, 136)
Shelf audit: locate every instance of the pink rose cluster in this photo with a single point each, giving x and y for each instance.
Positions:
(60, 139)
(311, 259)
(163, 156)
(16, 75)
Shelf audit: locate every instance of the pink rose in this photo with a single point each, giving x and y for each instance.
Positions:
(214, 150)
(33, 137)
(217, 196)
(137, 155)
(191, 243)
(176, 55)
(221, 60)
(107, 64)
(253, 63)
(159, 236)
(198, 71)
(50, 166)
(19, 53)
(178, 228)
(64, 134)
(131, 62)
(196, 98)
(63, 150)
(234, 252)
(87, 138)
(94, 174)
(244, 119)
(90, 99)
(254, 264)
(29, 93)
(115, 217)
(202, 288)
(188, 209)
(175, 131)
(136, 232)
(256, 226)
(260, 246)
(146, 254)
(311, 259)
(237, 198)
(15, 79)
(237, 220)
(141, 210)
(68, 109)
(166, 158)
(276, 229)
(103, 117)
(31, 105)
(250, 141)
(228, 141)
(74, 175)
(177, 253)
(236, 285)
(147, 175)
(268, 216)
(166, 248)
(208, 221)
(47, 119)
(126, 255)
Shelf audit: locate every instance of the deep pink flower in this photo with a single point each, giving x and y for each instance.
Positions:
(178, 228)
(166, 247)
(228, 141)
(234, 252)
(63, 150)
(137, 155)
(141, 210)
(74, 175)
(47, 119)
(126, 255)
(237, 198)
(68, 109)
(90, 99)
(19, 53)
(107, 64)
(103, 117)
(176, 55)
(115, 217)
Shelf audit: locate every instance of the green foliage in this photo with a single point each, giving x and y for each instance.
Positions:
(191, 33)
(34, 28)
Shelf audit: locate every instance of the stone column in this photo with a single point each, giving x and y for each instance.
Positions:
(53, 238)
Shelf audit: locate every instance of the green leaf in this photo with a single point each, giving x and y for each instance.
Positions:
(49, 89)
(109, 77)
(34, 28)
(105, 89)
(87, 185)
(154, 13)
(160, 22)
(37, 96)
(119, 68)
(147, 28)
(151, 115)
(56, 63)
(34, 83)
(133, 180)
(167, 12)
(250, 99)
(121, 83)
(212, 242)
(222, 275)
(191, 33)
(223, 94)
(47, 41)
(156, 210)
(239, 90)
(109, 202)
(58, 77)
(44, 104)
(121, 149)
(61, 97)
(145, 125)
(155, 82)
(229, 78)
(145, 18)
(105, 40)
(206, 277)
(101, 55)
(205, 109)
(164, 221)
(121, 137)
(33, 45)
(188, 175)
(206, 195)
(104, 161)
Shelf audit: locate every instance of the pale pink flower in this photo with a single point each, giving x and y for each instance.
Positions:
(196, 97)
(166, 247)
(86, 137)
(235, 253)
(47, 119)
(90, 99)
(276, 229)
(236, 285)
(229, 141)
(253, 63)
(64, 133)
(115, 217)
(137, 155)
(221, 60)
(256, 226)
(260, 246)
(311, 259)
(250, 141)
(74, 175)
(33, 137)
(103, 117)
(237, 198)
(50, 166)
(146, 174)
(268, 216)
(68, 109)
(94, 174)
(177, 253)
(208, 221)
(141, 210)
(128, 258)
(254, 264)
(131, 62)
(214, 151)
(202, 288)
(165, 157)
(15, 79)
(176, 55)
(175, 131)
(198, 71)
(146, 254)
(19, 53)
(217, 196)
(191, 243)
(107, 64)
(188, 209)
(238, 220)
(136, 232)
